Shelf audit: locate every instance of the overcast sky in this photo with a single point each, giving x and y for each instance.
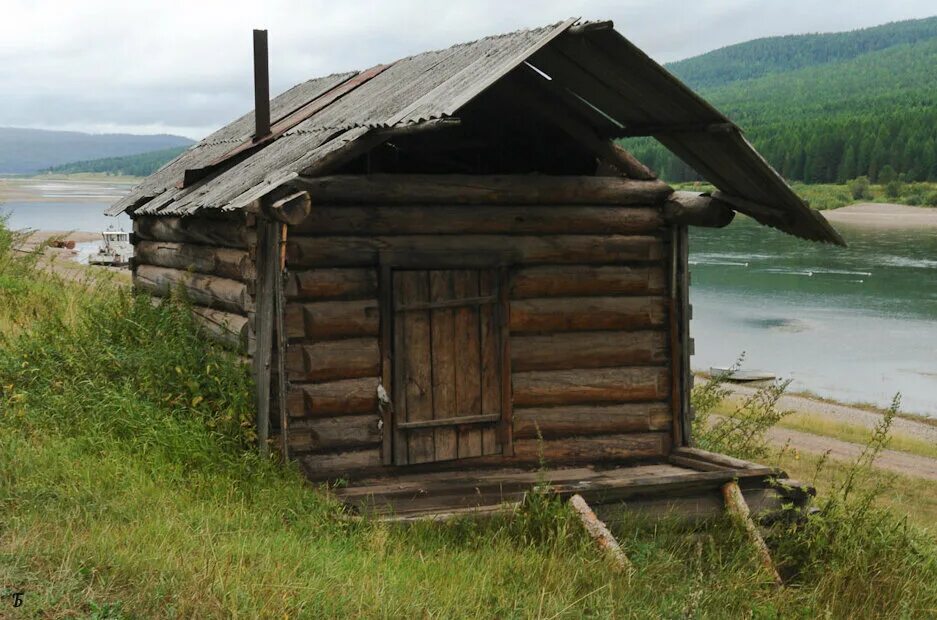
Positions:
(147, 66)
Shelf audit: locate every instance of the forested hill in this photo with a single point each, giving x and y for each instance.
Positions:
(839, 113)
(140, 165)
(780, 54)
(30, 150)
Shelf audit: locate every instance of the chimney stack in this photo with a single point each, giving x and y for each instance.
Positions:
(261, 86)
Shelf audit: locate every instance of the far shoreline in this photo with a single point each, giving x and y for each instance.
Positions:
(883, 216)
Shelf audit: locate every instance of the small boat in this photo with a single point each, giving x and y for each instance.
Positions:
(742, 375)
(116, 250)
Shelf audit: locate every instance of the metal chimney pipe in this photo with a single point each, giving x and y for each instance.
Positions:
(261, 86)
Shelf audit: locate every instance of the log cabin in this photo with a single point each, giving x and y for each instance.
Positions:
(452, 281)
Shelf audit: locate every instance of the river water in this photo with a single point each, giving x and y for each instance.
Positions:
(857, 324)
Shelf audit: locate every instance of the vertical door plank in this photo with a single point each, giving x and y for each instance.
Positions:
(468, 363)
(399, 395)
(441, 288)
(490, 367)
(389, 438)
(414, 289)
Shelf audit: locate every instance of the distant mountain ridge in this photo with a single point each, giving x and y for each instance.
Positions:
(24, 151)
(824, 108)
(139, 165)
(770, 55)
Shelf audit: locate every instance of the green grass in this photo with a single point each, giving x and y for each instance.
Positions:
(825, 196)
(128, 489)
(817, 424)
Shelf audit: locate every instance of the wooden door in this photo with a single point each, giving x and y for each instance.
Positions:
(447, 364)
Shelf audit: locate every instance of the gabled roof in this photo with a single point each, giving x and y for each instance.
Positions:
(597, 75)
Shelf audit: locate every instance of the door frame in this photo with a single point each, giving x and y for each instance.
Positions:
(390, 260)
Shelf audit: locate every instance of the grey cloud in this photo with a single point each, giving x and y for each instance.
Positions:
(185, 66)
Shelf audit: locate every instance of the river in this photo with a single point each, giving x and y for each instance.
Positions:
(856, 324)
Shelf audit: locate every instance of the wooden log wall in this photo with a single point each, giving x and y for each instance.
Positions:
(588, 322)
(210, 259)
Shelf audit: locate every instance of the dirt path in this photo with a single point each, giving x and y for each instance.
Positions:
(846, 413)
(890, 460)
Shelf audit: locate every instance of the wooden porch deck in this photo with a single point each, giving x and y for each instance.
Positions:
(688, 482)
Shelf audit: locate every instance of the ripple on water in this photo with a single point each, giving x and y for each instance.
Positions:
(780, 324)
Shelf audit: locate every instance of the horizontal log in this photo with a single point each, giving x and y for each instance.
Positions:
(331, 434)
(232, 330)
(227, 232)
(333, 360)
(588, 350)
(583, 280)
(322, 284)
(465, 220)
(586, 314)
(336, 398)
(201, 289)
(338, 464)
(291, 209)
(481, 189)
(224, 262)
(554, 422)
(694, 209)
(555, 249)
(597, 385)
(593, 449)
(332, 320)
(713, 457)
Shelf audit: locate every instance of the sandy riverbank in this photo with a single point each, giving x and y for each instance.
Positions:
(883, 216)
(64, 261)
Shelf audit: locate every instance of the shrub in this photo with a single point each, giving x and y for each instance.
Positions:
(859, 187)
(894, 188)
(740, 431)
(887, 174)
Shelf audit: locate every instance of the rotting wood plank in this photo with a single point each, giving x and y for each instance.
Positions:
(558, 314)
(587, 280)
(227, 328)
(490, 362)
(332, 360)
(267, 269)
(556, 422)
(335, 398)
(332, 284)
(226, 232)
(386, 300)
(523, 250)
(481, 189)
(598, 532)
(279, 310)
(338, 464)
(222, 262)
(468, 387)
(503, 318)
(593, 449)
(413, 287)
(718, 459)
(443, 326)
(333, 320)
(601, 349)
(738, 509)
(334, 434)
(463, 220)
(591, 386)
(204, 290)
